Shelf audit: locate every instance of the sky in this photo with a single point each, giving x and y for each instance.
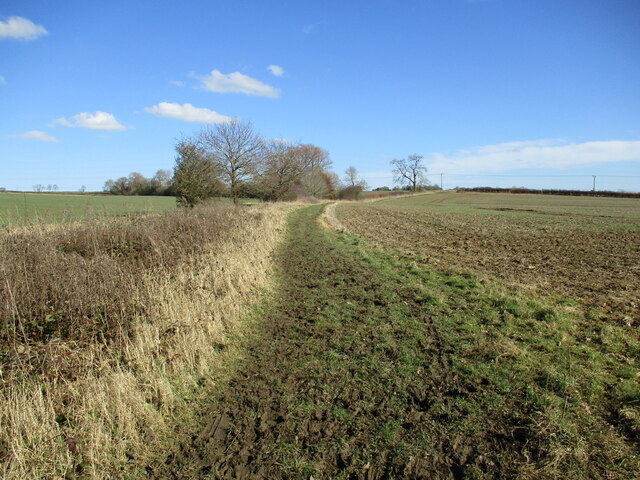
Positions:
(535, 93)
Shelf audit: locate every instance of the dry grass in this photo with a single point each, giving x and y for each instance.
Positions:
(108, 328)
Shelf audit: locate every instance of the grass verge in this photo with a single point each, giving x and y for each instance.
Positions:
(110, 330)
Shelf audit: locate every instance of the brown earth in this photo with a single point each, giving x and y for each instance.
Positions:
(348, 376)
(595, 260)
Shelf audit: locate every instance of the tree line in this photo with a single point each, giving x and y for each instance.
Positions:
(232, 160)
(137, 184)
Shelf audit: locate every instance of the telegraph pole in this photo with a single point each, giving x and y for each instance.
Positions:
(441, 181)
(594, 183)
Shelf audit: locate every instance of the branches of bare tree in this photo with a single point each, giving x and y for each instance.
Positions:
(410, 171)
(235, 150)
(234, 155)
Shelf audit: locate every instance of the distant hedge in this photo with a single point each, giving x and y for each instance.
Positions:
(587, 193)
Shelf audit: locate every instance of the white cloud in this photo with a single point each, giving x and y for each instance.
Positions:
(187, 113)
(284, 141)
(553, 154)
(276, 70)
(38, 135)
(3, 81)
(237, 83)
(21, 28)
(308, 29)
(93, 121)
(177, 83)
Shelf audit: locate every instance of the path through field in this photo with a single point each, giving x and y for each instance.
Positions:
(350, 376)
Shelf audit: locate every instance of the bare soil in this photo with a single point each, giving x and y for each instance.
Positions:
(338, 384)
(370, 365)
(593, 259)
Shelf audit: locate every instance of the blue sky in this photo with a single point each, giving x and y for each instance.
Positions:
(536, 93)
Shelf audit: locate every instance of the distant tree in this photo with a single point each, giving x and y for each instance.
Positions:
(333, 184)
(38, 188)
(317, 183)
(120, 186)
(195, 175)
(312, 157)
(281, 170)
(161, 183)
(315, 178)
(353, 184)
(248, 165)
(410, 171)
(137, 184)
(235, 150)
(82, 189)
(351, 178)
(49, 188)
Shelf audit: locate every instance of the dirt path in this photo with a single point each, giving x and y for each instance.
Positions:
(350, 375)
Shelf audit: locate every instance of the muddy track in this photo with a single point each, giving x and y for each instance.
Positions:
(347, 377)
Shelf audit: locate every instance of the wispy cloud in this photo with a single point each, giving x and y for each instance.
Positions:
(187, 113)
(236, 83)
(308, 29)
(3, 81)
(177, 83)
(546, 153)
(93, 121)
(38, 135)
(276, 70)
(285, 141)
(20, 28)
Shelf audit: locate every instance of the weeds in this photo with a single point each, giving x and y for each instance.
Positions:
(109, 329)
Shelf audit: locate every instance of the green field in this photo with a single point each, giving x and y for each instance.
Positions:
(517, 204)
(16, 208)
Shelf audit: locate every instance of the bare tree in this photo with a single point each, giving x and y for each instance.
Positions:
(351, 178)
(235, 150)
(353, 184)
(410, 171)
(315, 179)
(312, 157)
(280, 171)
(119, 186)
(195, 176)
(137, 184)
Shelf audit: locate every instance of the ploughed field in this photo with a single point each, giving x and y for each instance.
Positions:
(376, 360)
(583, 248)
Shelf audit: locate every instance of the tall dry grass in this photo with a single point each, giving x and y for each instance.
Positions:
(108, 328)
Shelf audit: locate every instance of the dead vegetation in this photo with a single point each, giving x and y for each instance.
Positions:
(108, 329)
